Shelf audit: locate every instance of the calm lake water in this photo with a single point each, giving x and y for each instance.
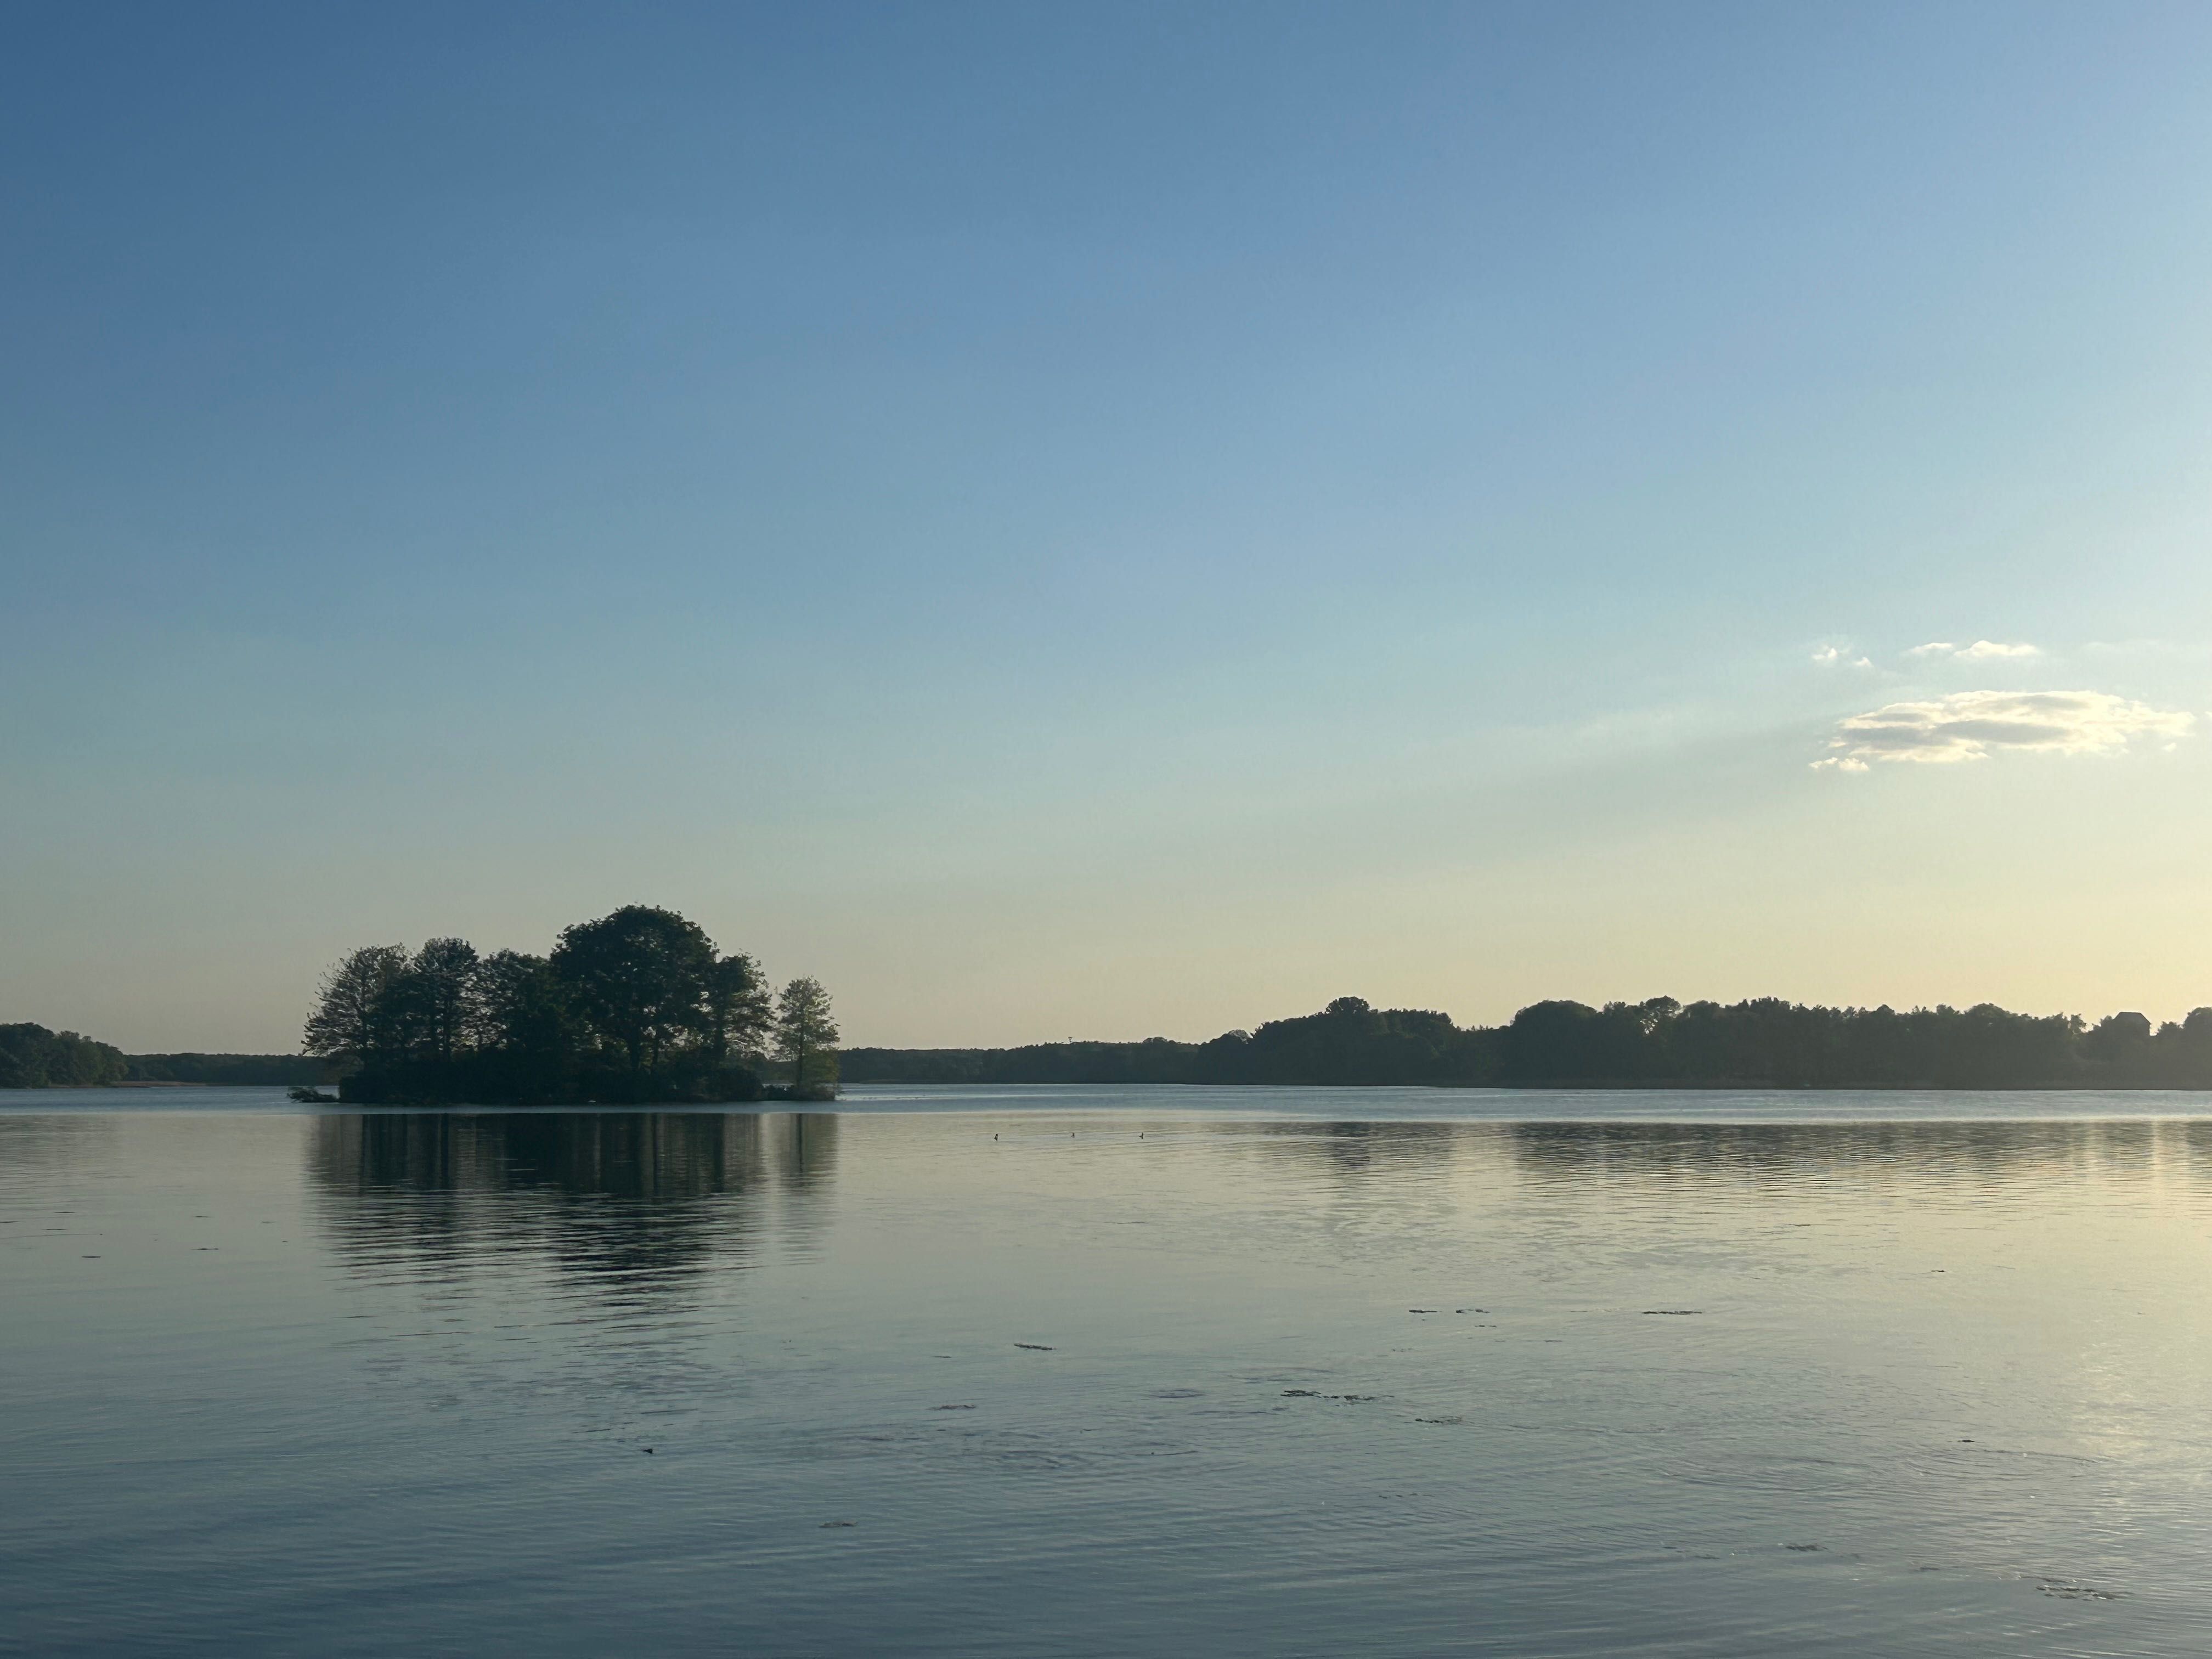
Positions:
(1055, 1373)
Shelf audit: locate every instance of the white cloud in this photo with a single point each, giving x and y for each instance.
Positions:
(1829, 656)
(1970, 726)
(1979, 651)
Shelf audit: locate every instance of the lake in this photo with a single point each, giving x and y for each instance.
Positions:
(1098, 1371)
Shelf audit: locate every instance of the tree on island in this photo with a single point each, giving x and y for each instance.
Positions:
(437, 998)
(641, 976)
(805, 1039)
(346, 1024)
(737, 1008)
(638, 1005)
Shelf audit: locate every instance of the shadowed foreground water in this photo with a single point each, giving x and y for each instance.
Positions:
(1120, 1376)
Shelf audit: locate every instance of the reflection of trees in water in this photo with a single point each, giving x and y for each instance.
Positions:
(637, 1196)
(1931, 1154)
(1351, 1149)
(1939, 1153)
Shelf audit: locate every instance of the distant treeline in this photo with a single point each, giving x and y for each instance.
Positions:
(33, 1057)
(638, 1006)
(232, 1071)
(644, 1008)
(1767, 1042)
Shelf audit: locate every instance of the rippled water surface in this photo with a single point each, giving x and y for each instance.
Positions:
(1098, 1372)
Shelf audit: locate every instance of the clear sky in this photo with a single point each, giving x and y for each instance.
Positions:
(1109, 521)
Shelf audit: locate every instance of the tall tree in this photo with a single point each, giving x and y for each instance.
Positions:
(437, 992)
(640, 977)
(350, 1004)
(517, 1006)
(738, 1010)
(805, 1035)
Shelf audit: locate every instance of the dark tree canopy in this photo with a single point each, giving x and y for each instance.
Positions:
(642, 978)
(346, 1025)
(805, 1038)
(737, 1006)
(638, 1005)
(33, 1057)
(433, 998)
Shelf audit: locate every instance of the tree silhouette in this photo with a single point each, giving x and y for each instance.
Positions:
(639, 978)
(637, 1006)
(805, 1035)
(351, 1008)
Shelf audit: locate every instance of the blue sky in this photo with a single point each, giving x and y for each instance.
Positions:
(1105, 520)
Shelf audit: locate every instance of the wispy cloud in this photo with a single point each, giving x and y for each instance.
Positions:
(1970, 726)
(1833, 656)
(1979, 651)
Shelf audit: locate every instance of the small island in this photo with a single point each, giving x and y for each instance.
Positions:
(637, 1008)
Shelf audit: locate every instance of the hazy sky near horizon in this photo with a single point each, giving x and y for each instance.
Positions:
(1109, 521)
